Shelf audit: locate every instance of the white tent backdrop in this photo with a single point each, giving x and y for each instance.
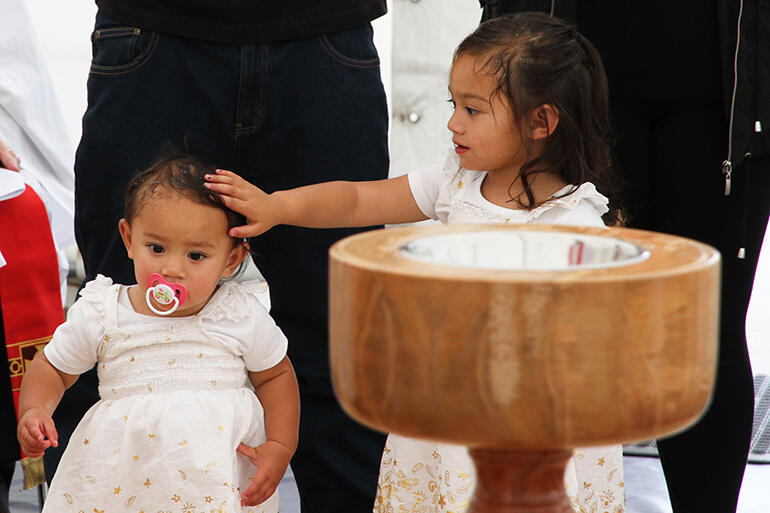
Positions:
(415, 41)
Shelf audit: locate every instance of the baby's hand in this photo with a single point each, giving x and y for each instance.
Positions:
(271, 459)
(259, 208)
(36, 432)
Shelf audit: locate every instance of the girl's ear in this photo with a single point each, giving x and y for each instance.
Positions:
(544, 121)
(237, 254)
(125, 234)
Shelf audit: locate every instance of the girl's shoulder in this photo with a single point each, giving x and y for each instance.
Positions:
(99, 301)
(573, 195)
(100, 294)
(98, 287)
(573, 205)
(237, 318)
(233, 302)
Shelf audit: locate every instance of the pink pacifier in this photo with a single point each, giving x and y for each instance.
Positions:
(164, 293)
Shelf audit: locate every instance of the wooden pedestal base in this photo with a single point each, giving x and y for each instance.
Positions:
(520, 481)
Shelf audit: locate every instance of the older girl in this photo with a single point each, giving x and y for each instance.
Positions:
(530, 135)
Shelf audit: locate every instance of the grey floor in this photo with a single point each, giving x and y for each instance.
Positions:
(646, 487)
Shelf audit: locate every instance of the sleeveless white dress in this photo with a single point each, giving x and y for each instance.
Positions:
(418, 476)
(174, 406)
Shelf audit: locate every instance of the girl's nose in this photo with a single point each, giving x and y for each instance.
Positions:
(453, 124)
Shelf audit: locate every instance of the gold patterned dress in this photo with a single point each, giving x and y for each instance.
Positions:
(428, 477)
(174, 404)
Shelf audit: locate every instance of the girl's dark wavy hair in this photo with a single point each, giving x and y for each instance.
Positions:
(538, 59)
(183, 173)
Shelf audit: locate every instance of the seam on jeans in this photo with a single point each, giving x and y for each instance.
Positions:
(262, 62)
(127, 68)
(263, 80)
(238, 100)
(347, 61)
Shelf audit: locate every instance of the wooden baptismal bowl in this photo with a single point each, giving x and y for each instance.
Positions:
(523, 342)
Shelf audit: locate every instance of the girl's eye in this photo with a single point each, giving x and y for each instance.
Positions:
(196, 256)
(471, 111)
(155, 248)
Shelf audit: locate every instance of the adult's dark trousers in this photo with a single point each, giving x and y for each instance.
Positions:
(282, 115)
(9, 445)
(671, 155)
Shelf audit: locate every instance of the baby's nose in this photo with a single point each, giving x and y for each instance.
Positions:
(173, 268)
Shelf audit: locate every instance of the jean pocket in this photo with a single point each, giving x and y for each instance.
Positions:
(354, 47)
(120, 48)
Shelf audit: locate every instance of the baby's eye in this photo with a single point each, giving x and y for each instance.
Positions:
(156, 248)
(471, 111)
(196, 256)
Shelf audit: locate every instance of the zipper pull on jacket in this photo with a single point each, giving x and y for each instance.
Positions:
(727, 170)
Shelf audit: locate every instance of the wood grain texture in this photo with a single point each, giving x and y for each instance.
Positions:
(520, 481)
(526, 360)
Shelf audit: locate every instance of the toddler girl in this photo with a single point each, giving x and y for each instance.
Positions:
(173, 354)
(530, 129)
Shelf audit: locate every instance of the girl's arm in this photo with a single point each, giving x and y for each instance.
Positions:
(41, 390)
(324, 205)
(277, 391)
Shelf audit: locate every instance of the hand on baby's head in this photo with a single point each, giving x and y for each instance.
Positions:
(260, 209)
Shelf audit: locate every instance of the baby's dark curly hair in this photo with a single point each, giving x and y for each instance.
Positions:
(183, 173)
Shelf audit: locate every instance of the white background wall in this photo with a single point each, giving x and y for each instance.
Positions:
(418, 35)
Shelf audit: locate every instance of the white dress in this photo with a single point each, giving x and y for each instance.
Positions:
(428, 477)
(174, 403)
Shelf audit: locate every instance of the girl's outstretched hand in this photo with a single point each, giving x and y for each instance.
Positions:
(36, 432)
(262, 211)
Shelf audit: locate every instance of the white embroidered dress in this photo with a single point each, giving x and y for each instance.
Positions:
(428, 477)
(174, 403)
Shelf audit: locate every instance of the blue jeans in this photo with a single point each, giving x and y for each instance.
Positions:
(282, 115)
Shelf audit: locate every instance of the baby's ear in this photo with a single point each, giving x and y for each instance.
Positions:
(544, 121)
(125, 234)
(237, 254)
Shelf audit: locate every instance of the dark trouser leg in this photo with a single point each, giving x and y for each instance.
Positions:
(718, 444)
(671, 154)
(9, 446)
(337, 461)
(314, 110)
(6, 476)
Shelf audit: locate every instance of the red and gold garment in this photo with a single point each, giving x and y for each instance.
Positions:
(30, 293)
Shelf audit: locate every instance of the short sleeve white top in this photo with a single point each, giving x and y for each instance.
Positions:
(452, 194)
